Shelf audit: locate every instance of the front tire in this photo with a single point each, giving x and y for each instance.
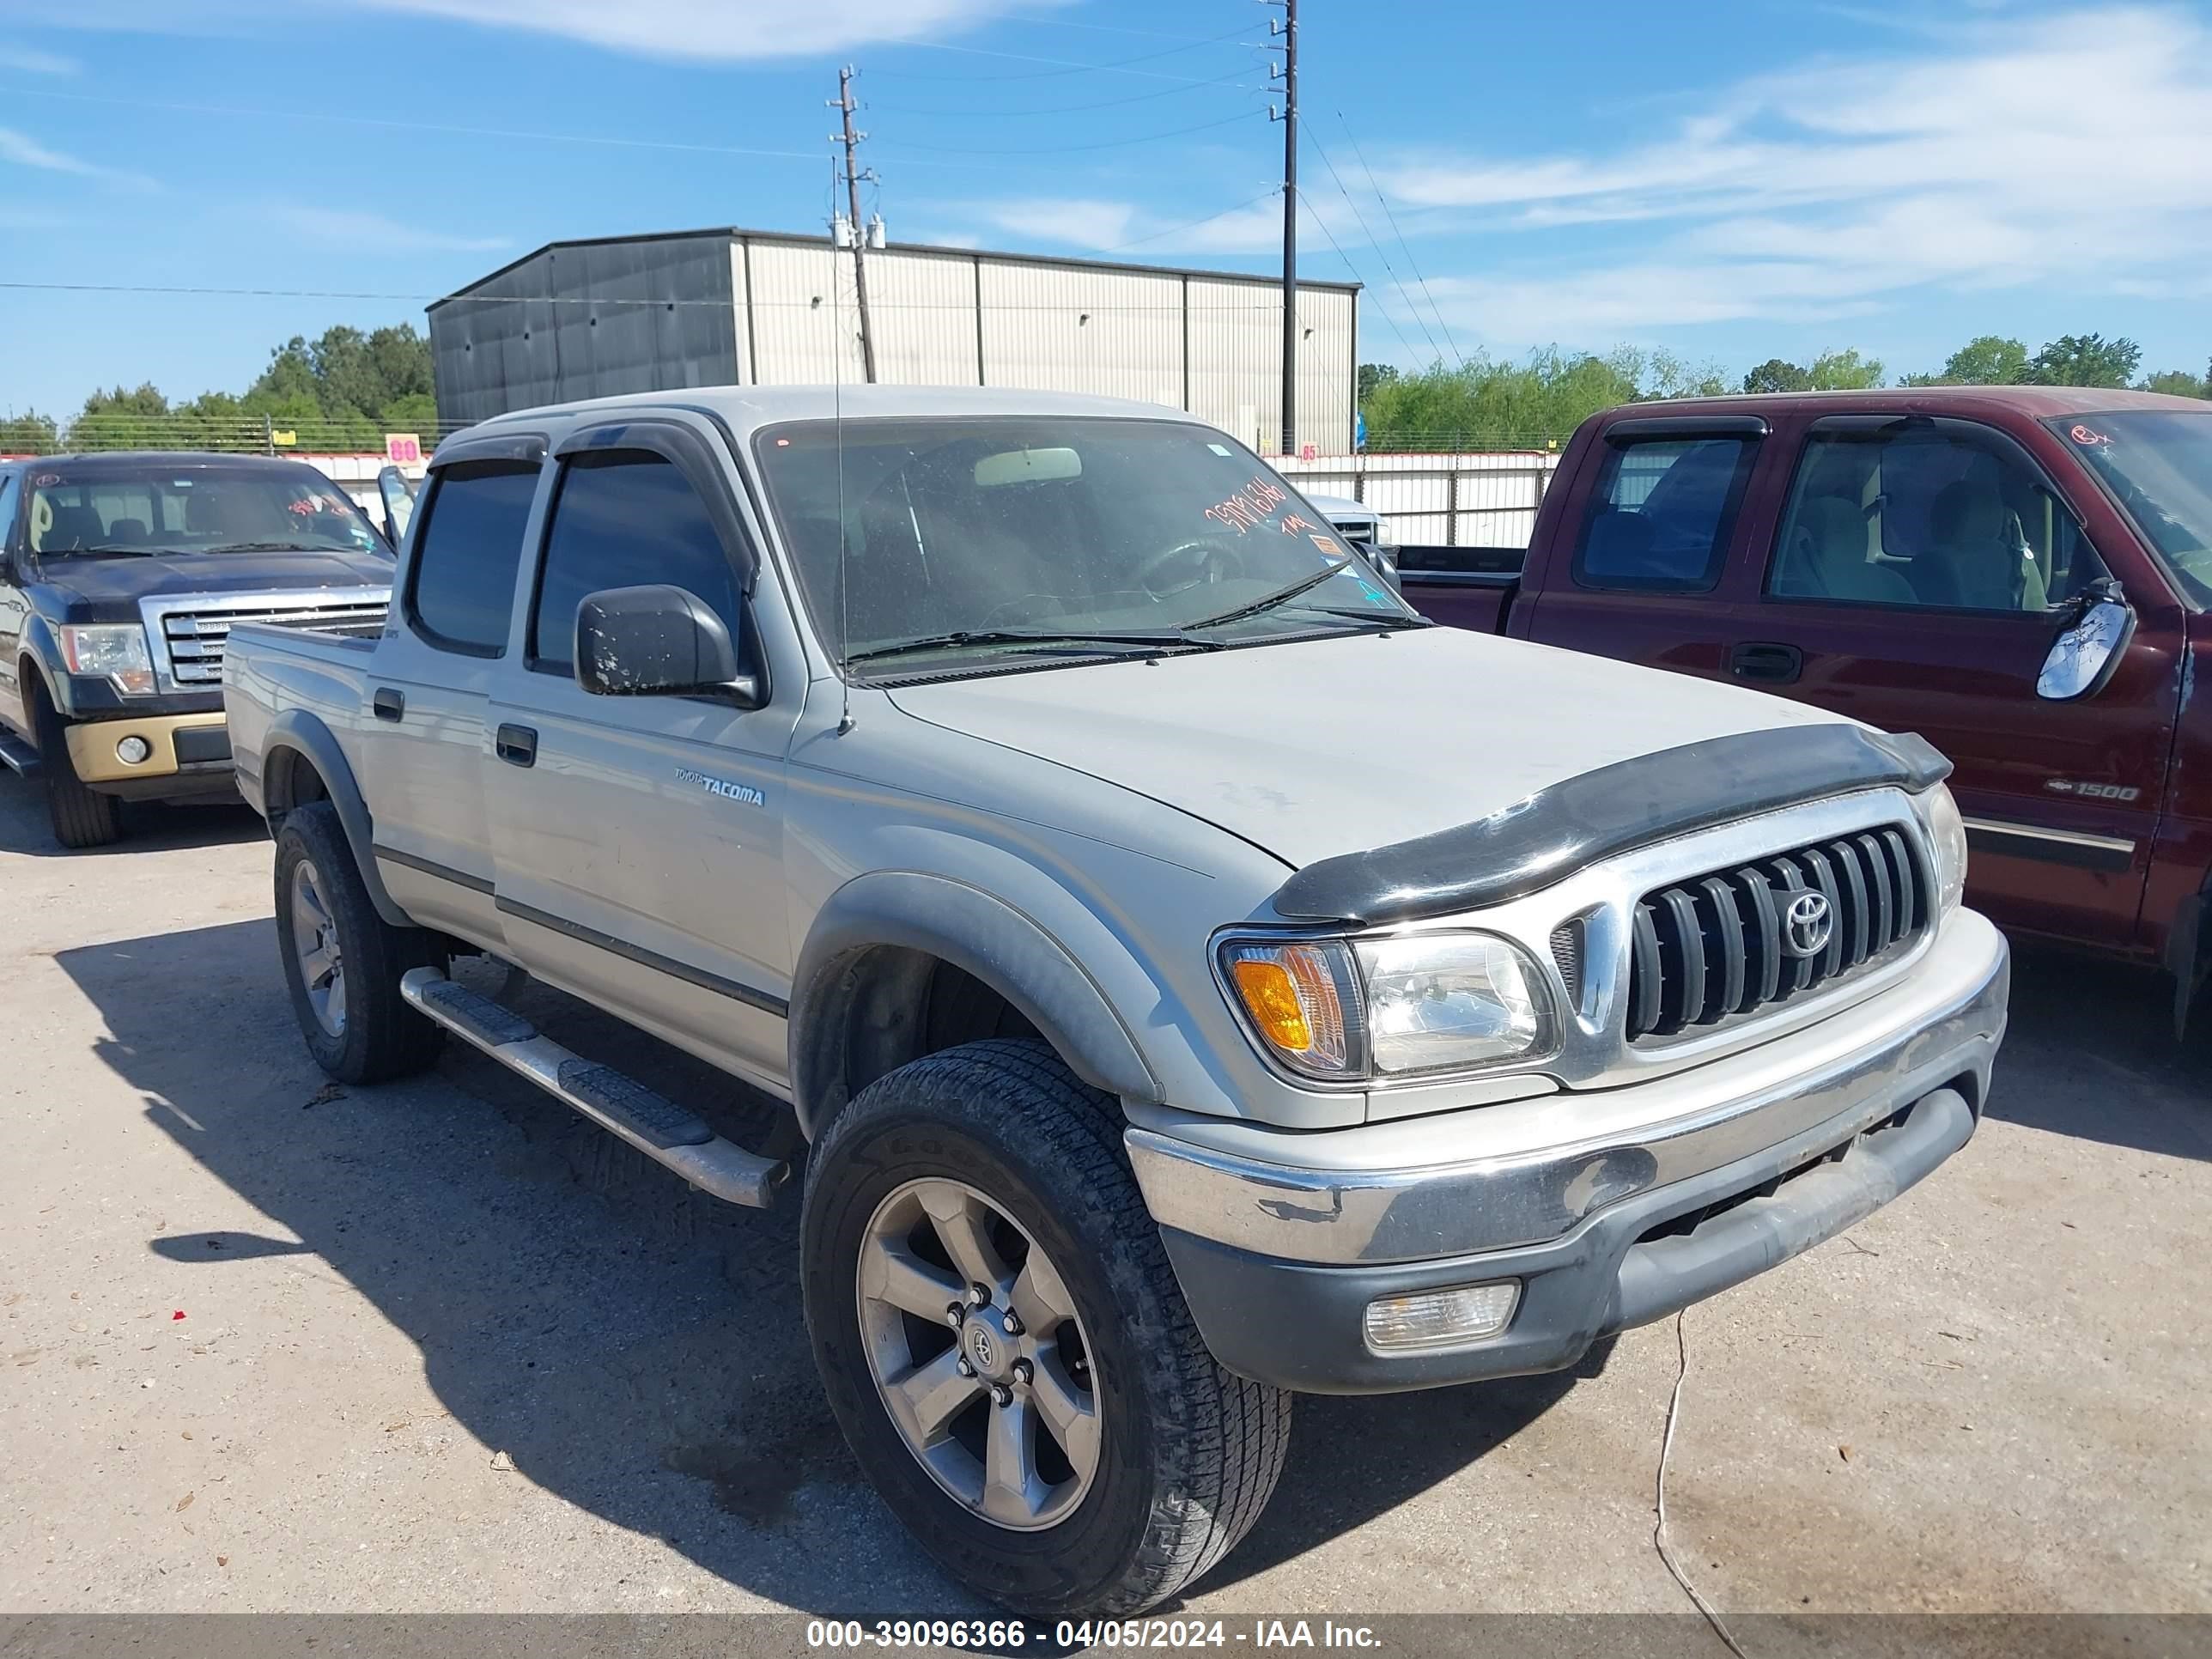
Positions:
(988, 1176)
(83, 818)
(342, 961)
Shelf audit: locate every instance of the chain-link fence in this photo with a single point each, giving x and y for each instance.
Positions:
(248, 435)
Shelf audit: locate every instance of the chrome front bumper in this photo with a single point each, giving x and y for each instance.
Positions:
(1456, 1183)
(1704, 1179)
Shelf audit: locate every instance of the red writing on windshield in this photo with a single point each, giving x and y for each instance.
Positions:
(1254, 504)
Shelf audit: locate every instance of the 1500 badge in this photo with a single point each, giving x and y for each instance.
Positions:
(737, 792)
(2092, 791)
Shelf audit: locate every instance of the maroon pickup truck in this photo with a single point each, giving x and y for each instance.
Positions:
(2020, 575)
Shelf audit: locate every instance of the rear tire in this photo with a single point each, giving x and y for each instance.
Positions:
(342, 961)
(1183, 1455)
(82, 817)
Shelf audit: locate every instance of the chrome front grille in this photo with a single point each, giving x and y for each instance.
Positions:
(192, 633)
(1709, 949)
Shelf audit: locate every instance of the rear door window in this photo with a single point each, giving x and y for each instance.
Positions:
(461, 590)
(1663, 514)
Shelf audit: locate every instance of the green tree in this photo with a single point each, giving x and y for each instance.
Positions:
(1844, 371)
(1372, 375)
(1486, 404)
(1985, 359)
(2086, 360)
(2177, 383)
(28, 434)
(1777, 375)
(138, 418)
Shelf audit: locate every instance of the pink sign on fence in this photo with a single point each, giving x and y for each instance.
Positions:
(403, 448)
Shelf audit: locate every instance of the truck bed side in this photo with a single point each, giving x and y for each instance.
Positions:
(1469, 587)
(275, 674)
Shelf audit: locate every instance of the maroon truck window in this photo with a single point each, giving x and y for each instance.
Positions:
(1939, 514)
(1661, 514)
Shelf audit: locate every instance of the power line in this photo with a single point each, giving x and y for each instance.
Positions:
(1061, 109)
(1192, 224)
(1402, 243)
(609, 301)
(1057, 66)
(1435, 356)
(1067, 149)
(1102, 29)
(391, 125)
(1354, 270)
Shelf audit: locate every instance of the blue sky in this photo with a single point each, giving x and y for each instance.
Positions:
(1727, 181)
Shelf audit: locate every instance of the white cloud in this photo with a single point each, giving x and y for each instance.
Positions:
(724, 30)
(29, 60)
(24, 151)
(1104, 226)
(2068, 148)
(372, 233)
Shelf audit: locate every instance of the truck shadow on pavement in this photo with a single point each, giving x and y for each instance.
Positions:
(148, 826)
(2090, 1051)
(634, 1349)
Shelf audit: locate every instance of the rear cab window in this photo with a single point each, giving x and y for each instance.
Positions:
(1664, 510)
(468, 552)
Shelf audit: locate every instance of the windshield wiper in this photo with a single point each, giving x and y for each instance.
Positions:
(78, 552)
(1381, 618)
(1160, 642)
(1269, 601)
(264, 547)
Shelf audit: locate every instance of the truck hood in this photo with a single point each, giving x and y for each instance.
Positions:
(1343, 744)
(109, 589)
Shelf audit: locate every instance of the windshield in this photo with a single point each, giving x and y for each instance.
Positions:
(279, 506)
(975, 538)
(2157, 464)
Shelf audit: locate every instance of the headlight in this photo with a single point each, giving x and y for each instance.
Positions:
(114, 652)
(1416, 1004)
(1947, 834)
(1440, 1001)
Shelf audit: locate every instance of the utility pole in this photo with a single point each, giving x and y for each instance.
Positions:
(853, 177)
(1289, 73)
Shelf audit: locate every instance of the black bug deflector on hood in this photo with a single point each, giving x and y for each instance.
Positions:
(1615, 809)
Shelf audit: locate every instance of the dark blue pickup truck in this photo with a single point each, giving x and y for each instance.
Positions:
(120, 577)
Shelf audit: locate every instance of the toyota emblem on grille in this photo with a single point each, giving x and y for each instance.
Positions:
(1806, 924)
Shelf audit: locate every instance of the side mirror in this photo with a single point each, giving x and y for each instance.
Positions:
(1385, 566)
(658, 640)
(399, 497)
(2098, 627)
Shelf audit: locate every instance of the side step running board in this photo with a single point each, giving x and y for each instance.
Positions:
(17, 756)
(665, 1132)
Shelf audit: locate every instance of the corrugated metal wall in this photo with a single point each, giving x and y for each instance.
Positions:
(582, 320)
(588, 320)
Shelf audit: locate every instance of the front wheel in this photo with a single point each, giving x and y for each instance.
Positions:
(83, 818)
(1005, 1346)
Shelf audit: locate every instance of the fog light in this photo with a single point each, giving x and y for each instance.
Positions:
(131, 751)
(1440, 1319)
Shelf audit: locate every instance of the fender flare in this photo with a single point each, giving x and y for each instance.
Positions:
(37, 647)
(982, 935)
(306, 736)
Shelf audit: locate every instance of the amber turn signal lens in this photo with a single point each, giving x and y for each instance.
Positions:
(1272, 1001)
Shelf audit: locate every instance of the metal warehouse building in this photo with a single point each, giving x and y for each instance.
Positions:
(743, 307)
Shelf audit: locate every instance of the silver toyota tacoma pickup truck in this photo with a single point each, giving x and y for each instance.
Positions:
(1022, 788)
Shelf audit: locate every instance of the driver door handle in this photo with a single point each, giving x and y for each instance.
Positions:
(516, 744)
(1767, 663)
